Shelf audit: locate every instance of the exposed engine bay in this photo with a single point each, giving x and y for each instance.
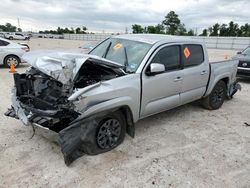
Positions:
(45, 99)
(91, 73)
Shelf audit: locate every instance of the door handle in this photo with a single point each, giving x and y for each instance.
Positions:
(177, 79)
(203, 72)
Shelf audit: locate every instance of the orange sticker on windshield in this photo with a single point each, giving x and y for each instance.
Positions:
(186, 52)
(117, 46)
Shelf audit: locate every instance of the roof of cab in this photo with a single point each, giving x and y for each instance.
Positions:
(154, 38)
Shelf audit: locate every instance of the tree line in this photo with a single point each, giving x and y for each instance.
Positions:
(172, 25)
(79, 30)
(9, 28)
(60, 31)
(225, 30)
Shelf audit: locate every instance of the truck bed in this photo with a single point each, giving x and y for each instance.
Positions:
(222, 69)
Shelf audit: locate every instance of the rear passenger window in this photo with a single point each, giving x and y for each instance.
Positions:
(3, 43)
(168, 56)
(192, 55)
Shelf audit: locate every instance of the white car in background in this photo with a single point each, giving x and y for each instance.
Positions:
(16, 36)
(88, 46)
(11, 53)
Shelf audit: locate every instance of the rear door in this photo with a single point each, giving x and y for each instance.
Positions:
(195, 72)
(162, 91)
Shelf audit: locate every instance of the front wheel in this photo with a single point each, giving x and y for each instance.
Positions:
(217, 97)
(109, 133)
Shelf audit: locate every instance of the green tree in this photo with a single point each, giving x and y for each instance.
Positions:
(182, 31)
(137, 28)
(151, 29)
(78, 30)
(159, 29)
(223, 30)
(171, 23)
(245, 30)
(10, 28)
(190, 32)
(232, 29)
(59, 31)
(214, 31)
(204, 32)
(84, 29)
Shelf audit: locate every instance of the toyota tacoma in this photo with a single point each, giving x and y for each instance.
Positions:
(88, 102)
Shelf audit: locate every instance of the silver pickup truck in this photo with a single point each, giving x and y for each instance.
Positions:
(87, 103)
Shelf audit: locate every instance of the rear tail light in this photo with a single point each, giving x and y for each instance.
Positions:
(26, 49)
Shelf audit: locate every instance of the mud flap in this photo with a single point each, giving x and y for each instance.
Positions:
(233, 89)
(78, 139)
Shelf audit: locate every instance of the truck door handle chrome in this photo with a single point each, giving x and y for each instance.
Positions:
(203, 72)
(177, 79)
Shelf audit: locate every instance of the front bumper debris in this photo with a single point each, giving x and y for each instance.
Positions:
(17, 109)
(73, 140)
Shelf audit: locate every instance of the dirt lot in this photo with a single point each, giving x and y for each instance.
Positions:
(185, 147)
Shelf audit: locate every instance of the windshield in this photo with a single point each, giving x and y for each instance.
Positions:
(246, 51)
(125, 52)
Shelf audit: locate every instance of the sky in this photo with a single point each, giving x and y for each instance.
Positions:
(115, 15)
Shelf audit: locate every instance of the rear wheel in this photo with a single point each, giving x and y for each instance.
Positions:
(11, 59)
(217, 97)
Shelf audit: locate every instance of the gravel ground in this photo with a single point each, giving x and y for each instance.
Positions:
(185, 147)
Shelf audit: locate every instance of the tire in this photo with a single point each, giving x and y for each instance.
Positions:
(217, 97)
(8, 60)
(100, 138)
(11, 38)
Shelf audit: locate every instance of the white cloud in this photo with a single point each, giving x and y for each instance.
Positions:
(115, 15)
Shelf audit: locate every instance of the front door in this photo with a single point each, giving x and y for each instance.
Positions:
(162, 91)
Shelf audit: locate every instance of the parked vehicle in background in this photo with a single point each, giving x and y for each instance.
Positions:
(16, 36)
(1, 35)
(88, 46)
(11, 53)
(244, 63)
(89, 101)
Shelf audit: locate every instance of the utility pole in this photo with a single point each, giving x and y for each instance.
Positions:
(126, 30)
(18, 22)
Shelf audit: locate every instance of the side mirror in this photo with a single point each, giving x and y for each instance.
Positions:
(156, 68)
(239, 52)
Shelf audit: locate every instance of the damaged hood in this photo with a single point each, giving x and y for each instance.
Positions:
(63, 66)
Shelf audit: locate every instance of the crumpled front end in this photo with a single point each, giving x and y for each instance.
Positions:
(39, 100)
(42, 101)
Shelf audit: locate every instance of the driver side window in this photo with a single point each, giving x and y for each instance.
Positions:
(170, 57)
